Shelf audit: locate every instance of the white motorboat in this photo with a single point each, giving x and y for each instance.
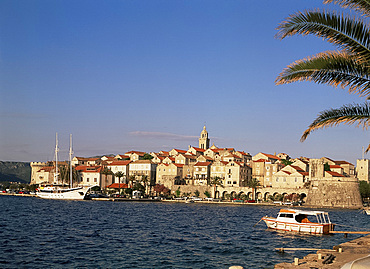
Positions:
(61, 191)
(367, 210)
(302, 221)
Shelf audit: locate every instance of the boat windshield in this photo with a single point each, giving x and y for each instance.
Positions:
(303, 218)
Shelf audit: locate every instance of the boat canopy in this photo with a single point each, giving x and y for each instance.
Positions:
(301, 215)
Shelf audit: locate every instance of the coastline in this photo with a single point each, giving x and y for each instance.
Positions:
(343, 253)
(235, 202)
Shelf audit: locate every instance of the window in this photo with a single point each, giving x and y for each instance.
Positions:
(284, 179)
(277, 179)
(87, 179)
(95, 180)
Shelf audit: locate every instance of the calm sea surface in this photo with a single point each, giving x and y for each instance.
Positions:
(37, 233)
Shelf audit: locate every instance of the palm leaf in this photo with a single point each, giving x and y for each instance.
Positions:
(348, 114)
(362, 6)
(333, 68)
(350, 34)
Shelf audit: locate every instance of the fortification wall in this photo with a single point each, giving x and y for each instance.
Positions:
(334, 193)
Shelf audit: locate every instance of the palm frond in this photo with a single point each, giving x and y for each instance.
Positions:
(368, 149)
(350, 34)
(333, 68)
(362, 6)
(347, 114)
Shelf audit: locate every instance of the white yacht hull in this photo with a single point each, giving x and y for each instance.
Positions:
(312, 228)
(64, 194)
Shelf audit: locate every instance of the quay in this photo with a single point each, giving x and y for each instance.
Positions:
(335, 258)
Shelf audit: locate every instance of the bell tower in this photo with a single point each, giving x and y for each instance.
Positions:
(204, 140)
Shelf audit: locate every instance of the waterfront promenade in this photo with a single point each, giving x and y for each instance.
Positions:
(350, 251)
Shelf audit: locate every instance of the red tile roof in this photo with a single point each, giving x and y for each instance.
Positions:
(335, 166)
(202, 163)
(297, 168)
(342, 162)
(199, 149)
(47, 169)
(118, 185)
(334, 174)
(89, 169)
(126, 162)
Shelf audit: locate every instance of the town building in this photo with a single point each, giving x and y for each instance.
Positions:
(363, 169)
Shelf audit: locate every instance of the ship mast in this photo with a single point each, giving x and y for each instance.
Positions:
(56, 177)
(70, 160)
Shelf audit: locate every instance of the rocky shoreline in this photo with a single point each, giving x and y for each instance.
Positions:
(335, 258)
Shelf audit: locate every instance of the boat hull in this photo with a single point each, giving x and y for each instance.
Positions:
(311, 228)
(64, 194)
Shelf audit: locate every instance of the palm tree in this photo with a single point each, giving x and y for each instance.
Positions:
(105, 171)
(145, 180)
(215, 181)
(348, 67)
(254, 184)
(119, 174)
(131, 179)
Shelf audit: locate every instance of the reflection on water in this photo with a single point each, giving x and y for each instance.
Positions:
(37, 233)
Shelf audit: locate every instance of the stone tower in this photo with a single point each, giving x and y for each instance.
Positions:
(363, 169)
(316, 169)
(203, 139)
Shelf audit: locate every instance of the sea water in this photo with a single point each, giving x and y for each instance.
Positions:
(36, 233)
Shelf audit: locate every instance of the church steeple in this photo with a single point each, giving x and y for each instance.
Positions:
(204, 140)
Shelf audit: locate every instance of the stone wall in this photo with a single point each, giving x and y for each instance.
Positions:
(334, 193)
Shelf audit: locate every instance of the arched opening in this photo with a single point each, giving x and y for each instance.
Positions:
(266, 196)
(217, 194)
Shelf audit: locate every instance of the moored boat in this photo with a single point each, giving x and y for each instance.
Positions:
(367, 210)
(302, 221)
(62, 191)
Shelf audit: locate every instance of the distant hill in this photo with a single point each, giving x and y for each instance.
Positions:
(15, 171)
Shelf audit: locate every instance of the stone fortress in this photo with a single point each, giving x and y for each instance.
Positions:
(323, 182)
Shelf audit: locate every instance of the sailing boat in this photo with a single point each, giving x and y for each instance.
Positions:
(60, 191)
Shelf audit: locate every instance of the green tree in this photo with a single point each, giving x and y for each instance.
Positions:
(326, 167)
(145, 181)
(347, 67)
(131, 179)
(147, 156)
(254, 184)
(364, 189)
(215, 181)
(138, 187)
(196, 193)
(207, 194)
(286, 162)
(178, 192)
(120, 175)
(106, 171)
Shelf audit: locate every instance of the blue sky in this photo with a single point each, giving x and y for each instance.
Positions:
(147, 75)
